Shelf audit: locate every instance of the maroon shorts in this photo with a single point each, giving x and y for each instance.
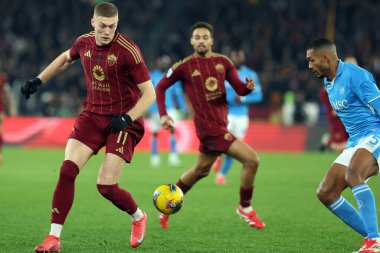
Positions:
(93, 130)
(217, 143)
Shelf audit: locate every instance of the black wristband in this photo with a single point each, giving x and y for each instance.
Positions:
(128, 119)
(38, 81)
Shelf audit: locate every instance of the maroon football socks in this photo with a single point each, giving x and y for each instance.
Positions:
(183, 187)
(245, 196)
(64, 192)
(119, 197)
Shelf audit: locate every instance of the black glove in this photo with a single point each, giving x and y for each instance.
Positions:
(31, 86)
(119, 122)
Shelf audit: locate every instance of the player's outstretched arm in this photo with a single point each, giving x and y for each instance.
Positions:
(62, 62)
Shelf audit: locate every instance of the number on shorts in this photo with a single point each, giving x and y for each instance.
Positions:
(375, 140)
(120, 137)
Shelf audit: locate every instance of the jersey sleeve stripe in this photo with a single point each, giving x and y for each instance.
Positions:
(130, 48)
(127, 43)
(91, 34)
(373, 99)
(177, 64)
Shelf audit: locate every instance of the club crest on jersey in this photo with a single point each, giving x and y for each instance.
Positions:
(111, 59)
(341, 90)
(98, 73)
(219, 67)
(211, 83)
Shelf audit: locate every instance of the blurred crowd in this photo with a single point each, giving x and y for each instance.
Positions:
(274, 34)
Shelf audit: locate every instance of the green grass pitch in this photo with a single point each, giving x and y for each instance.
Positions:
(284, 198)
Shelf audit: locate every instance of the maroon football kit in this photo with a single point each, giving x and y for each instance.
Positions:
(203, 81)
(112, 73)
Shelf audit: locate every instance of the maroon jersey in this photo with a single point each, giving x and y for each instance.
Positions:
(203, 81)
(336, 127)
(3, 84)
(112, 73)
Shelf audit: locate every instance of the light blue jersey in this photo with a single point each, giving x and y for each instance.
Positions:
(174, 95)
(256, 96)
(354, 95)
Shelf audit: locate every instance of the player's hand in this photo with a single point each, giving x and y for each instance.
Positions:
(167, 122)
(250, 83)
(120, 122)
(31, 86)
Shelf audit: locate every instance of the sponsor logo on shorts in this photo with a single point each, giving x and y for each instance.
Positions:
(120, 150)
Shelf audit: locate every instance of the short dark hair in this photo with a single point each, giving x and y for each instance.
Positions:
(202, 24)
(107, 10)
(320, 43)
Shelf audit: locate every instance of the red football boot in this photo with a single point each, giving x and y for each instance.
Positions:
(50, 244)
(251, 218)
(370, 246)
(163, 218)
(138, 232)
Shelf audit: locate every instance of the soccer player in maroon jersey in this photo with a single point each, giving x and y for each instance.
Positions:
(119, 91)
(7, 106)
(203, 75)
(337, 133)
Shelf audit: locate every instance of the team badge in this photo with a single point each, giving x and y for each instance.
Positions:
(211, 83)
(341, 90)
(98, 73)
(219, 67)
(111, 59)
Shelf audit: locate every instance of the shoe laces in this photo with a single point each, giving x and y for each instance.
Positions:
(51, 238)
(137, 223)
(252, 216)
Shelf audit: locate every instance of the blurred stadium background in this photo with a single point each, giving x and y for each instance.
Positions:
(274, 34)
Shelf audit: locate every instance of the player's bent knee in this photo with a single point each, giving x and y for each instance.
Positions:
(252, 163)
(326, 196)
(69, 170)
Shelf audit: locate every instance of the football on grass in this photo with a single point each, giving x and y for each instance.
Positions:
(168, 198)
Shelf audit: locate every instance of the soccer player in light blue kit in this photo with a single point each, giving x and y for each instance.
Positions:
(173, 100)
(238, 110)
(355, 97)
